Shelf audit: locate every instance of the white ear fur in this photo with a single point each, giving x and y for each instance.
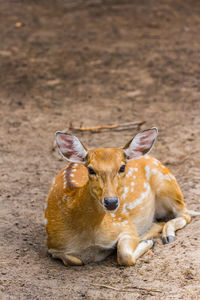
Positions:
(141, 144)
(70, 147)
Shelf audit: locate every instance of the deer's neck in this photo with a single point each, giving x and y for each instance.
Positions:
(88, 208)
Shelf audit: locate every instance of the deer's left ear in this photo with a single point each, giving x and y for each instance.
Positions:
(140, 144)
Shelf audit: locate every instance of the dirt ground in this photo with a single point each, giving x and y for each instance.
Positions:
(95, 62)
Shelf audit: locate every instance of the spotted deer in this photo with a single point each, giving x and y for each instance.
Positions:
(111, 198)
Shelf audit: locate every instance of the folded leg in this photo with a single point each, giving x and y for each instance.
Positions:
(170, 207)
(129, 250)
(68, 260)
(153, 231)
(169, 229)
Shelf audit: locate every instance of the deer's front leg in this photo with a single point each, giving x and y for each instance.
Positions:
(129, 249)
(68, 260)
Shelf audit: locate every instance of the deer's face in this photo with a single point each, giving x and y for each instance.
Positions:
(106, 167)
(106, 171)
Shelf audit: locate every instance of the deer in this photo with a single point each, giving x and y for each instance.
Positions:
(111, 198)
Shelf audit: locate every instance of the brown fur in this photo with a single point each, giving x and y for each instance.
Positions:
(79, 230)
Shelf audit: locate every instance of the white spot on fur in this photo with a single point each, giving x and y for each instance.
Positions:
(147, 171)
(139, 201)
(125, 222)
(119, 219)
(126, 189)
(112, 215)
(155, 162)
(75, 165)
(164, 177)
(115, 224)
(45, 206)
(146, 185)
(160, 174)
(135, 169)
(74, 170)
(124, 211)
(45, 221)
(132, 189)
(130, 172)
(132, 183)
(72, 175)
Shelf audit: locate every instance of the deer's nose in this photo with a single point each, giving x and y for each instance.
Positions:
(111, 203)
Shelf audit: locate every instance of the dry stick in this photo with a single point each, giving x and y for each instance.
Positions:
(103, 128)
(122, 126)
(124, 290)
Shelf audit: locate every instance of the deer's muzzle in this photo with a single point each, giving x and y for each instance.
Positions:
(111, 203)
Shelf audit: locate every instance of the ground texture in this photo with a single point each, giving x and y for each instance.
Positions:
(95, 62)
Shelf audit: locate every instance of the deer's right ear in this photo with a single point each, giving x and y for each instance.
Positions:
(71, 148)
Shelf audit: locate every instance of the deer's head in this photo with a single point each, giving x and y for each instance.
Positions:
(106, 167)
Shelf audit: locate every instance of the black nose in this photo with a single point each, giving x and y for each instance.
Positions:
(111, 203)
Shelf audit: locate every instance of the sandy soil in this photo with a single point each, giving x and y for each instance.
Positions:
(96, 62)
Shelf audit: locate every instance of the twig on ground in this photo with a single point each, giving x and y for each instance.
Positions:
(118, 127)
(127, 288)
(102, 128)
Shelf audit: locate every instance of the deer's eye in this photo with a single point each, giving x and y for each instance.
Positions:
(91, 171)
(122, 169)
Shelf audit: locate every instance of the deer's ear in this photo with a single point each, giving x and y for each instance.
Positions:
(140, 144)
(71, 148)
